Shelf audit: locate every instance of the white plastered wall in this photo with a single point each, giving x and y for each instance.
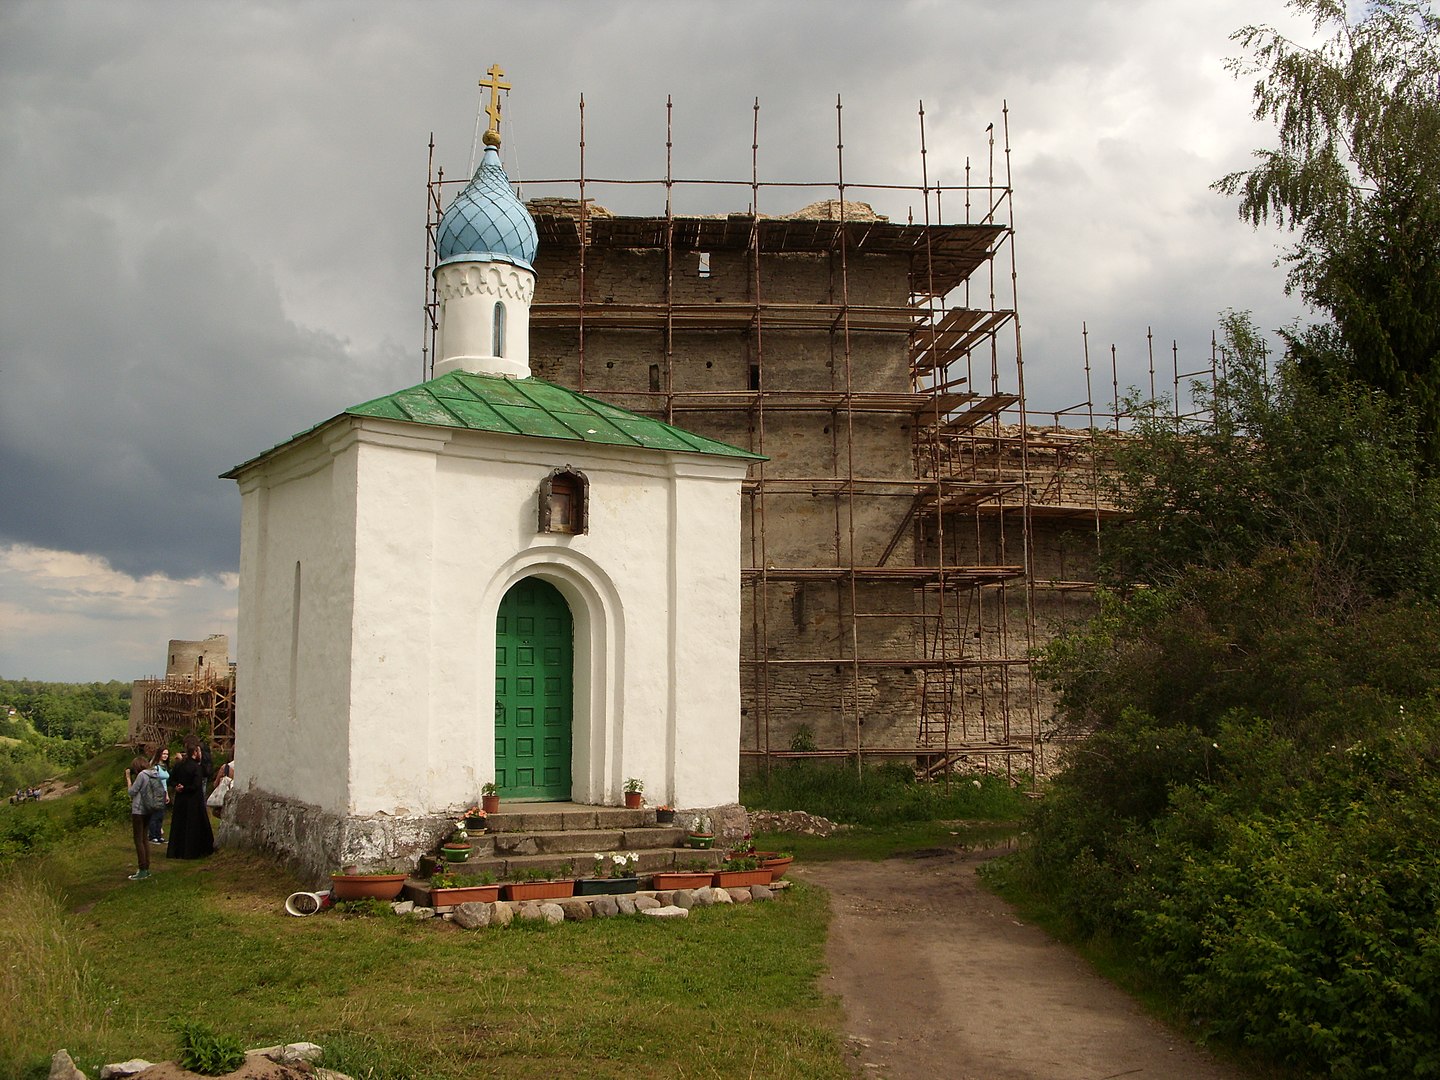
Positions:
(415, 534)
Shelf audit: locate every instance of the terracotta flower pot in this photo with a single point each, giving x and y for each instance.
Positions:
(634, 800)
(464, 894)
(680, 879)
(490, 804)
(539, 890)
(366, 886)
(729, 879)
(776, 863)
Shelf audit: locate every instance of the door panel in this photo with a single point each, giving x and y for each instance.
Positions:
(534, 711)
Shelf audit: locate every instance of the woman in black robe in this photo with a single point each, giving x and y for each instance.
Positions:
(190, 834)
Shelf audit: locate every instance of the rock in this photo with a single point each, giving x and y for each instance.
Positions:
(761, 892)
(501, 914)
(63, 1068)
(552, 913)
(471, 916)
(422, 913)
(646, 903)
(740, 895)
(671, 912)
(577, 910)
(529, 911)
(793, 821)
(605, 907)
(721, 896)
(704, 896)
(122, 1069)
(403, 907)
(665, 897)
(626, 904)
(295, 1053)
(683, 898)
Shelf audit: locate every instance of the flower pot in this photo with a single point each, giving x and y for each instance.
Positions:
(776, 863)
(366, 886)
(490, 804)
(699, 840)
(474, 824)
(455, 852)
(664, 817)
(606, 886)
(681, 879)
(464, 894)
(729, 879)
(634, 800)
(539, 890)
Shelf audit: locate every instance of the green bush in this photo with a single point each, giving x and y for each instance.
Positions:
(203, 1051)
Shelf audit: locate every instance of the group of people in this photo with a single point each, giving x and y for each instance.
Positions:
(182, 785)
(30, 794)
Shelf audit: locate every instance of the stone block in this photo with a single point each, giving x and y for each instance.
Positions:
(471, 916)
(605, 907)
(501, 914)
(626, 905)
(576, 910)
(671, 912)
(647, 903)
(761, 892)
(552, 913)
(683, 898)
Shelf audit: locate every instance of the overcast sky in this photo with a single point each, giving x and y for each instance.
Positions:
(212, 222)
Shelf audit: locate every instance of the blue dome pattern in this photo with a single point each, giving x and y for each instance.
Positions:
(486, 220)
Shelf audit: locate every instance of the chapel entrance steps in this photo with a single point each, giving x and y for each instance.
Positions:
(566, 837)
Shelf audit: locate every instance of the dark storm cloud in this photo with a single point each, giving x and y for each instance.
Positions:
(212, 214)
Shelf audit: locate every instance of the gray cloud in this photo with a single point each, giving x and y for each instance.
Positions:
(213, 212)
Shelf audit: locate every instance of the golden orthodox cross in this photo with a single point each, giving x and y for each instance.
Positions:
(495, 85)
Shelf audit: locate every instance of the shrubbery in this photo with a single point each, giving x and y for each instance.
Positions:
(1254, 815)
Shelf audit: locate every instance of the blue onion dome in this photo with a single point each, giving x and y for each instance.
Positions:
(486, 221)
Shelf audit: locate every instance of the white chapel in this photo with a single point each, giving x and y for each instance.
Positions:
(485, 578)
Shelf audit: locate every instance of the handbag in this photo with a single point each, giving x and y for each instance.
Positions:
(217, 797)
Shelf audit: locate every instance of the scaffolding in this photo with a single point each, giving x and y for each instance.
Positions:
(905, 628)
(202, 704)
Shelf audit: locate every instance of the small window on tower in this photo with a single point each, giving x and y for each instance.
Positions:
(498, 335)
(704, 264)
(565, 502)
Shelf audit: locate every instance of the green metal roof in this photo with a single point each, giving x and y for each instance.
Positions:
(538, 409)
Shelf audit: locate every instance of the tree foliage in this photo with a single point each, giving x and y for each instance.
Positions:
(1356, 172)
(1280, 463)
(1254, 812)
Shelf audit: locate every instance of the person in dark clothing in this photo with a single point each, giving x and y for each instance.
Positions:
(190, 834)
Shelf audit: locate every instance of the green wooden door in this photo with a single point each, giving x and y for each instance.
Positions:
(534, 646)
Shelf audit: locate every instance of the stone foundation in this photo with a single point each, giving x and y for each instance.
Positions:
(317, 843)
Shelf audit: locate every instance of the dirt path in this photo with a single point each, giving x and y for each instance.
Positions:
(941, 981)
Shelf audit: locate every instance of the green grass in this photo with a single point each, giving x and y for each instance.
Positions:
(887, 842)
(880, 796)
(109, 968)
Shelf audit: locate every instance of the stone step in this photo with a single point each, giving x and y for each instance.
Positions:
(583, 841)
(565, 817)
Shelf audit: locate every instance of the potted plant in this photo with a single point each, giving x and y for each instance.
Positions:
(457, 848)
(664, 814)
(475, 819)
(378, 885)
(741, 870)
(611, 874)
(634, 793)
(490, 799)
(540, 884)
(691, 875)
(700, 833)
(448, 889)
(777, 862)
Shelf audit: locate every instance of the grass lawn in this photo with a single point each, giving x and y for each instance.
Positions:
(104, 967)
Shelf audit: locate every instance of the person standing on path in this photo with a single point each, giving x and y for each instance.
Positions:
(190, 834)
(141, 777)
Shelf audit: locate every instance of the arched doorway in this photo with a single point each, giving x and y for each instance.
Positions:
(534, 698)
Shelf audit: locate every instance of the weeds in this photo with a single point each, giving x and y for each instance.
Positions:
(203, 1051)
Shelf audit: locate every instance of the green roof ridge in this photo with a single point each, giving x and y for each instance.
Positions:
(538, 409)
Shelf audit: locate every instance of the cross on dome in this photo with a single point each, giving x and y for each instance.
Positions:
(492, 133)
